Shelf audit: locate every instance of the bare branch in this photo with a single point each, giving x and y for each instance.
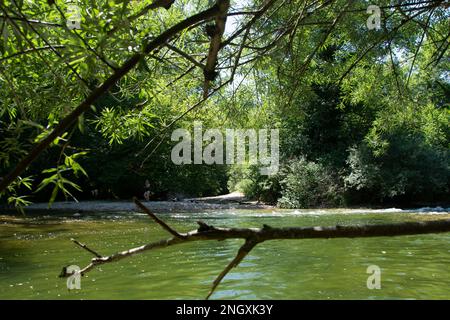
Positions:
(85, 247)
(257, 15)
(238, 56)
(215, 32)
(243, 251)
(157, 220)
(166, 4)
(23, 19)
(418, 47)
(185, 55)
(387, 36)
(47, 43)
(31, 50)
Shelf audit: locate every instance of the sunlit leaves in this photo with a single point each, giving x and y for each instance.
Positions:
(58, 177)
(19, 202)
(48, 69)
(118, 126)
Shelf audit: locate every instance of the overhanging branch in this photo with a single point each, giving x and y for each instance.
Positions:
(31, 50)
(215, 32)
(66, 122)
(185, 55)
(166, 4)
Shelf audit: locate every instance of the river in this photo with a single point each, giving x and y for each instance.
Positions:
(34, 248)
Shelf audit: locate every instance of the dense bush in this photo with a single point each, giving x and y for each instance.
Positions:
(404, 158)
(248, 180)
(308, 184)
(390, 152)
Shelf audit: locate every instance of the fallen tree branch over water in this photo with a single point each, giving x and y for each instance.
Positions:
(253, 236)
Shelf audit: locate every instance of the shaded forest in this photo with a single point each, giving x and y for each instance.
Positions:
(363, 113)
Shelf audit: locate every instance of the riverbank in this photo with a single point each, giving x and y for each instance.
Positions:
(233, 200)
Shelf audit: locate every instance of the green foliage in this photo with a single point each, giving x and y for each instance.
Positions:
(117, 125)
(19, 202)
(307, 184)
(248, 180)
(377, 118)
(58, 177)
(405, 156)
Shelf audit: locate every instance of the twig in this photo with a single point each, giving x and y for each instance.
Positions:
(418, 48)
(163, 132)
(243, 251)
(157, 220)
(29, 50)
(40, 36)
(166, 4)
(389, 36)
(23, 19)
(185, 55)
(85, 247)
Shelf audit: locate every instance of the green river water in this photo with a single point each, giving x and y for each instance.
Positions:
(33, 250)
